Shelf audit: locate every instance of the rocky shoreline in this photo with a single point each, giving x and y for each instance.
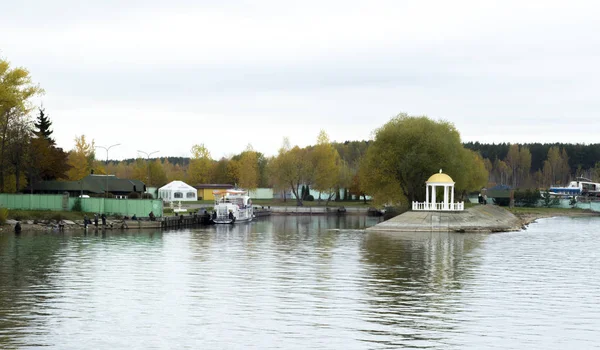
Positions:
(54, 226)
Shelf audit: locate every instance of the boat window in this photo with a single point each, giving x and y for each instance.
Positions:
(177, 195)
(190, 195)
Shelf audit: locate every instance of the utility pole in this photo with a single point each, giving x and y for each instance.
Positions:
(148, 164)
(106, 175)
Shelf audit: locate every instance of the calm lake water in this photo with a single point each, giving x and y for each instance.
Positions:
(303, 283)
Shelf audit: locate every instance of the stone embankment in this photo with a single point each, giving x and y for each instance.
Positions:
(68, 225)
(481, 218)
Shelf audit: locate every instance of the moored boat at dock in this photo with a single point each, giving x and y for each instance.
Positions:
(232, 206)
(580, 187)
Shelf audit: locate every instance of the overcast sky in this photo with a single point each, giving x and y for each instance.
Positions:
(165, 75)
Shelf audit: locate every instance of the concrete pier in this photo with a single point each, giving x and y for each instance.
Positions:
(481, 218)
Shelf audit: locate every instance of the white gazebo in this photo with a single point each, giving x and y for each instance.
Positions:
(177, 191)
(439, 180)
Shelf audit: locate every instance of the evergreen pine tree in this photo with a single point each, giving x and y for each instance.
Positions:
(43, 125)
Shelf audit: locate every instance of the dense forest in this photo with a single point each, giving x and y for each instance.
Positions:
(537, 165)
(581, 156)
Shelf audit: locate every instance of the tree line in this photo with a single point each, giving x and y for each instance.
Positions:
(392, 167)
(536, 165)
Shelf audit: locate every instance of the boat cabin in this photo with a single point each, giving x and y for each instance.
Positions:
(581, 186)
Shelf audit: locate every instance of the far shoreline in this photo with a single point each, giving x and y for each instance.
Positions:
(530, 215)
(525, 215)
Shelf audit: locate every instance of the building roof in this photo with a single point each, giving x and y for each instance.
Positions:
(499, 188)
(115, 184)
(213, 186)
(440, 178)
(177, 186)
(91, 184)
(67, 186)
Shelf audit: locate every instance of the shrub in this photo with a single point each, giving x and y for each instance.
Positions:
(549, 201)
(503, 202)
(3, 215)
(527, 198)
(133, 195)
(310, 198)
(77, 205)
(147, 196)
(573, 201)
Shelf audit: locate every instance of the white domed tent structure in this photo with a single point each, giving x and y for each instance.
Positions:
(177, 191)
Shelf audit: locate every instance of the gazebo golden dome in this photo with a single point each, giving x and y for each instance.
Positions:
(440, 178)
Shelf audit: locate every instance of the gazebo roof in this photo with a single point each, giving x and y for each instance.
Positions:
(440, 178)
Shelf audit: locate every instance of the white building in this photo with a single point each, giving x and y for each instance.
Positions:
(177, 191)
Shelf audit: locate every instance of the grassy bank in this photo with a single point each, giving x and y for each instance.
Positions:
(528, 215)
(551, 211)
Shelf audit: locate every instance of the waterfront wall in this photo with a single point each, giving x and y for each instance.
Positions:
(261, 193)
(565, 203)
(57, 202)
(593, 206)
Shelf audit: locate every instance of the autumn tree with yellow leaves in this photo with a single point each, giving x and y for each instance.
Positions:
(82, 159)
(201, 164)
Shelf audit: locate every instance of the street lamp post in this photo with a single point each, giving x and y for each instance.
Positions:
(148, 161)
(106, 176)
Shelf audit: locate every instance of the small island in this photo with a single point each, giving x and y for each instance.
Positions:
(448, 216)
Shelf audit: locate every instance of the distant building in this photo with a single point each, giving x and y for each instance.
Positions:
(261, 193)
(177, 191)
(205, 191)
(91, 185)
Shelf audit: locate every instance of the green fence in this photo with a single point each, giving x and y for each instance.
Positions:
(56, 202)
(32, 201)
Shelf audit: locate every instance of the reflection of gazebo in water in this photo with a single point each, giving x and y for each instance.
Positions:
(435, 181)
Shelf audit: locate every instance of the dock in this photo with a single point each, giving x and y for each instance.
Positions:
(181, 221)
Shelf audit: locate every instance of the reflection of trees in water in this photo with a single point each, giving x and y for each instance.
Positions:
(412, 280)
(302, 251)
(27, 262)
(291, 233)
(37, 267)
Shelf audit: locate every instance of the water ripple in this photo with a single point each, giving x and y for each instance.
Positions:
(303, 282)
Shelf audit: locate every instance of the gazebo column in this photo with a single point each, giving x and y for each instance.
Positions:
(452, 198)
(433, 191)
(445, 205)
(426, 195)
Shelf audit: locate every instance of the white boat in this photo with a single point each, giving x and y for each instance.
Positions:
(232, 206)
(580, 187)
